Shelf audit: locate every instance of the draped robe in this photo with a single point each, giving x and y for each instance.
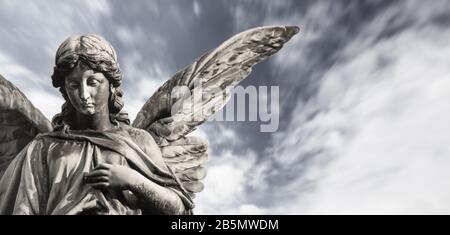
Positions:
(47, 176)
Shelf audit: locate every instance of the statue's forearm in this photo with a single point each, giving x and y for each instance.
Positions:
(156, 199)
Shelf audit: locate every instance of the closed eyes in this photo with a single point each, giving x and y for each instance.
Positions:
(93, 81)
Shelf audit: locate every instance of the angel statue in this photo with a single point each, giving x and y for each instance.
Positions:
(90, 159)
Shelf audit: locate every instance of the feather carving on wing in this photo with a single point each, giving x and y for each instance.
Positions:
(20, 122)
(175, 110)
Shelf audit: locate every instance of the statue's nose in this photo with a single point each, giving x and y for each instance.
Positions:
(84, 93)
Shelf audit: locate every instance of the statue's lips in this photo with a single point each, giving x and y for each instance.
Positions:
(87, 105)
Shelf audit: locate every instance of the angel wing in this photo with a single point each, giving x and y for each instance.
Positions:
(20, 122)
(170, 115)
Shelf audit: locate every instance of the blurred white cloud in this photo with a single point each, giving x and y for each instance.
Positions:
(197, 8)
(378, 124)
(395, 159)
(31, 32)
(32, 85)
(373, 137)
(226, 181)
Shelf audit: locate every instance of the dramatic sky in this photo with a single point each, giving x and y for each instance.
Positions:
(364, 92)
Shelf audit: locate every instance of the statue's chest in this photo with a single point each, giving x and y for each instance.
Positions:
(74, 158)
(107, 156)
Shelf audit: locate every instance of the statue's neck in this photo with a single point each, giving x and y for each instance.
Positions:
(97, 122)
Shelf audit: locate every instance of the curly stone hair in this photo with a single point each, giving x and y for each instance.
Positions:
(98, 54)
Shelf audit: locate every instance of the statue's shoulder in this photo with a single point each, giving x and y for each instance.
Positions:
(140, 136)
(45, 137)
(147, 143)
(42, 141)
(51, 136)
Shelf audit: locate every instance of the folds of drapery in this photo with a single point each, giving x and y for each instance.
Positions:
(47, 176)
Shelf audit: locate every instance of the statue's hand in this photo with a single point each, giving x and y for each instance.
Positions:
(112, 176)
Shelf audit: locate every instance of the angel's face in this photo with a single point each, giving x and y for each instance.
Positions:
(88, 90)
